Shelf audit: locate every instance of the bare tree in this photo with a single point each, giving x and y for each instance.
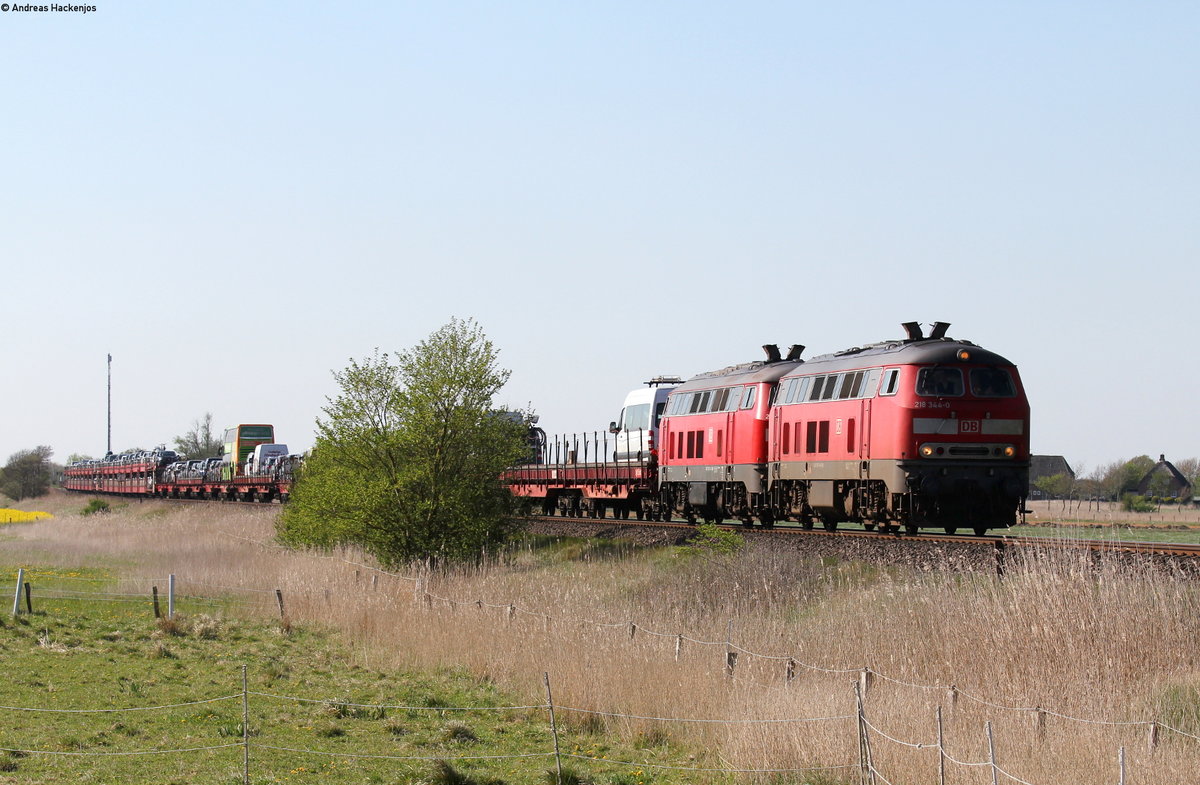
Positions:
(200, 441)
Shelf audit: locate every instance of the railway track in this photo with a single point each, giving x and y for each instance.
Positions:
(995, 541)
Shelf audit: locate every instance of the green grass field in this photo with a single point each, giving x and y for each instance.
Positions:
(1118, 531)
(317, 713)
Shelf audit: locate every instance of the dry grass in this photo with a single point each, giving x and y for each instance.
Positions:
(1074, 510)
(1110, 643)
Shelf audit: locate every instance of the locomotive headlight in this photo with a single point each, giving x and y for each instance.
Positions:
(926, 450)
(1009, 451)
(964, 355)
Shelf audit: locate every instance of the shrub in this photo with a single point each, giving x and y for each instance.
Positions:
(95, 506)
(1131, 502)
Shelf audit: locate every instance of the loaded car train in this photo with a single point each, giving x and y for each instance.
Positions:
(922, 432)
(252, 467)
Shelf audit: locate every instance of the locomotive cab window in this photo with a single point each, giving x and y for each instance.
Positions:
(940, 382)
(992, 383)
(891, 378)
(748, 399)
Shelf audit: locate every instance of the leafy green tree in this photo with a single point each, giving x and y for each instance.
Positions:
(200, 441)
(1055, 486)
(1121, 477)
(28, 473)
(408, 455)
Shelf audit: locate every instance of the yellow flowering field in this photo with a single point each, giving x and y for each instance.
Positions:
(21, 516)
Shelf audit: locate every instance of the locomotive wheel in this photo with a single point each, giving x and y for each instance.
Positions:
(830, 526)
(951, 530)
(869, 525)
(912, 529)
(806, 524)
(980, 531)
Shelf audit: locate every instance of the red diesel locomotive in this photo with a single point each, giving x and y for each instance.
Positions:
(923, 432)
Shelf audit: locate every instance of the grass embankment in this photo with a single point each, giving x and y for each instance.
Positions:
(1095, 645)
(88, 646)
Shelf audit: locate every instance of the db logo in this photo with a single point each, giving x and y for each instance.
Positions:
(968, 426)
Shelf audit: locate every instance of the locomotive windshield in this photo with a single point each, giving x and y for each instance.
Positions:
(940, 382)
(992, 383)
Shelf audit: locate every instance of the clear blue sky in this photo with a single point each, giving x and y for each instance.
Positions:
(233, 200)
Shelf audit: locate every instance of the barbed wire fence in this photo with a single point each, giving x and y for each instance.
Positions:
(867, 730)
(861, 732)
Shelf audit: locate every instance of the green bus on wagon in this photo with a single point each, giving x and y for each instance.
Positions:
(240, 441)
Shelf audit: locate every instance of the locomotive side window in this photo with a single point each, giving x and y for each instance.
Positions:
(810, 438)
(787, 438)
(992, 383)
(831, 383)
(940, 382)
(891, 378)
(823, 441)
(817, 385)
(851, 384)
(748, 399)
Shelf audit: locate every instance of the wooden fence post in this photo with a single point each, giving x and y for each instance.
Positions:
(171, 596)
(245, 730)
(678, 646)
(28, 597)
(991, 740)
(154, 596)
(866, 761)
(1039, 723)
(17, 594)
(866, 679)
(1152, 737)
(553, 729)
(279, 601)
(941, 737)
